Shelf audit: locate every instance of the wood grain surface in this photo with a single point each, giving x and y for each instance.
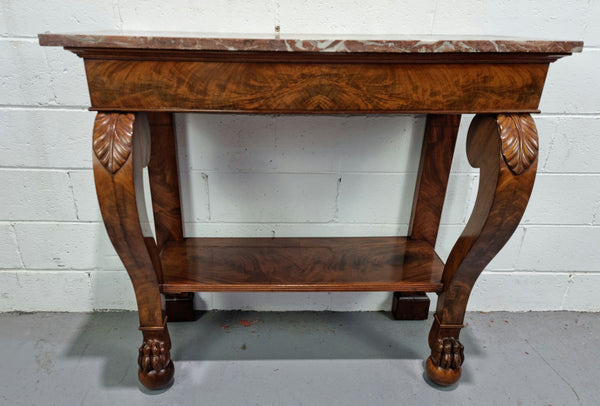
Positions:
(410, 306)
(314, 88)
(432, 179)
(300, 264)
(117, 198)
(118, 188)
(164, 179)
(112, 139)
(501, 201)
(519, 141)
(499, 81)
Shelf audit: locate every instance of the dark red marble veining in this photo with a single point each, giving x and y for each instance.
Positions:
(309, 43)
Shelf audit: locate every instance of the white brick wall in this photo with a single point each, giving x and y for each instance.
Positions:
(266, 175)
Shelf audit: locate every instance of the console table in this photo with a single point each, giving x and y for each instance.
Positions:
(137, 81)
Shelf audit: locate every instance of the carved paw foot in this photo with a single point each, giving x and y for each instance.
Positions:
(444, 365)
(156, 368)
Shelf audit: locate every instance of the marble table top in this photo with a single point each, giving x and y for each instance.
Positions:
(308, 43)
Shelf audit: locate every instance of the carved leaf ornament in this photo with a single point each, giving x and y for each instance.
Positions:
(112, 139)
(519, 141)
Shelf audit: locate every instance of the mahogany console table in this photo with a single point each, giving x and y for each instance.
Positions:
(137, 81)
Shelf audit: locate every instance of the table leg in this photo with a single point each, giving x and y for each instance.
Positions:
(432, 179)
(164, 179)
(430, 190)
(410, 306)
(505, 148)
(180, 307)
(120, 152)
(166, 203)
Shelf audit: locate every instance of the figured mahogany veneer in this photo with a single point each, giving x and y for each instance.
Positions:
(327, 87)
(500, 80)
(300, 265)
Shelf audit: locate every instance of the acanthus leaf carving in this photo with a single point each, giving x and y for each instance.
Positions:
(112, 139)
(519, 139)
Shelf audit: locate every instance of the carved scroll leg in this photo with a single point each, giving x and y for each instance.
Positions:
(119, 154)
(505, 148)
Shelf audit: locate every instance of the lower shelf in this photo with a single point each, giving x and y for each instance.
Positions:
(300, 264)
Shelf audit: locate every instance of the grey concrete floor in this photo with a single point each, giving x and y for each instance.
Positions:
(300, 358)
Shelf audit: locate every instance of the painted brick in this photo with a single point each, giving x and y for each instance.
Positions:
(375, 198)
(9, 250)
(231, 143)
(293, 230)
(379, 143)
(224, 230)
(350, 143)
(507, 257)
(66, 245)
(111, 290)
(36, 195)
(518, 291)
(25, 77)
(573, 20)
(291, 301)
(194, 196)
(69, 84)
(563, 199)
(546, 127)
(272, 197)
(84, 194)
(31, 75)
(383, 198)
(573, 143)
(560, 249)
(582, 292)
(353, 16)
(184, 15)
(46, 138)
(31, 17)
(30, 291)
(461, 191)
(562, 94)
(242, 143)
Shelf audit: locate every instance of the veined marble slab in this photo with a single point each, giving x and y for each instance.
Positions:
(308, 43)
